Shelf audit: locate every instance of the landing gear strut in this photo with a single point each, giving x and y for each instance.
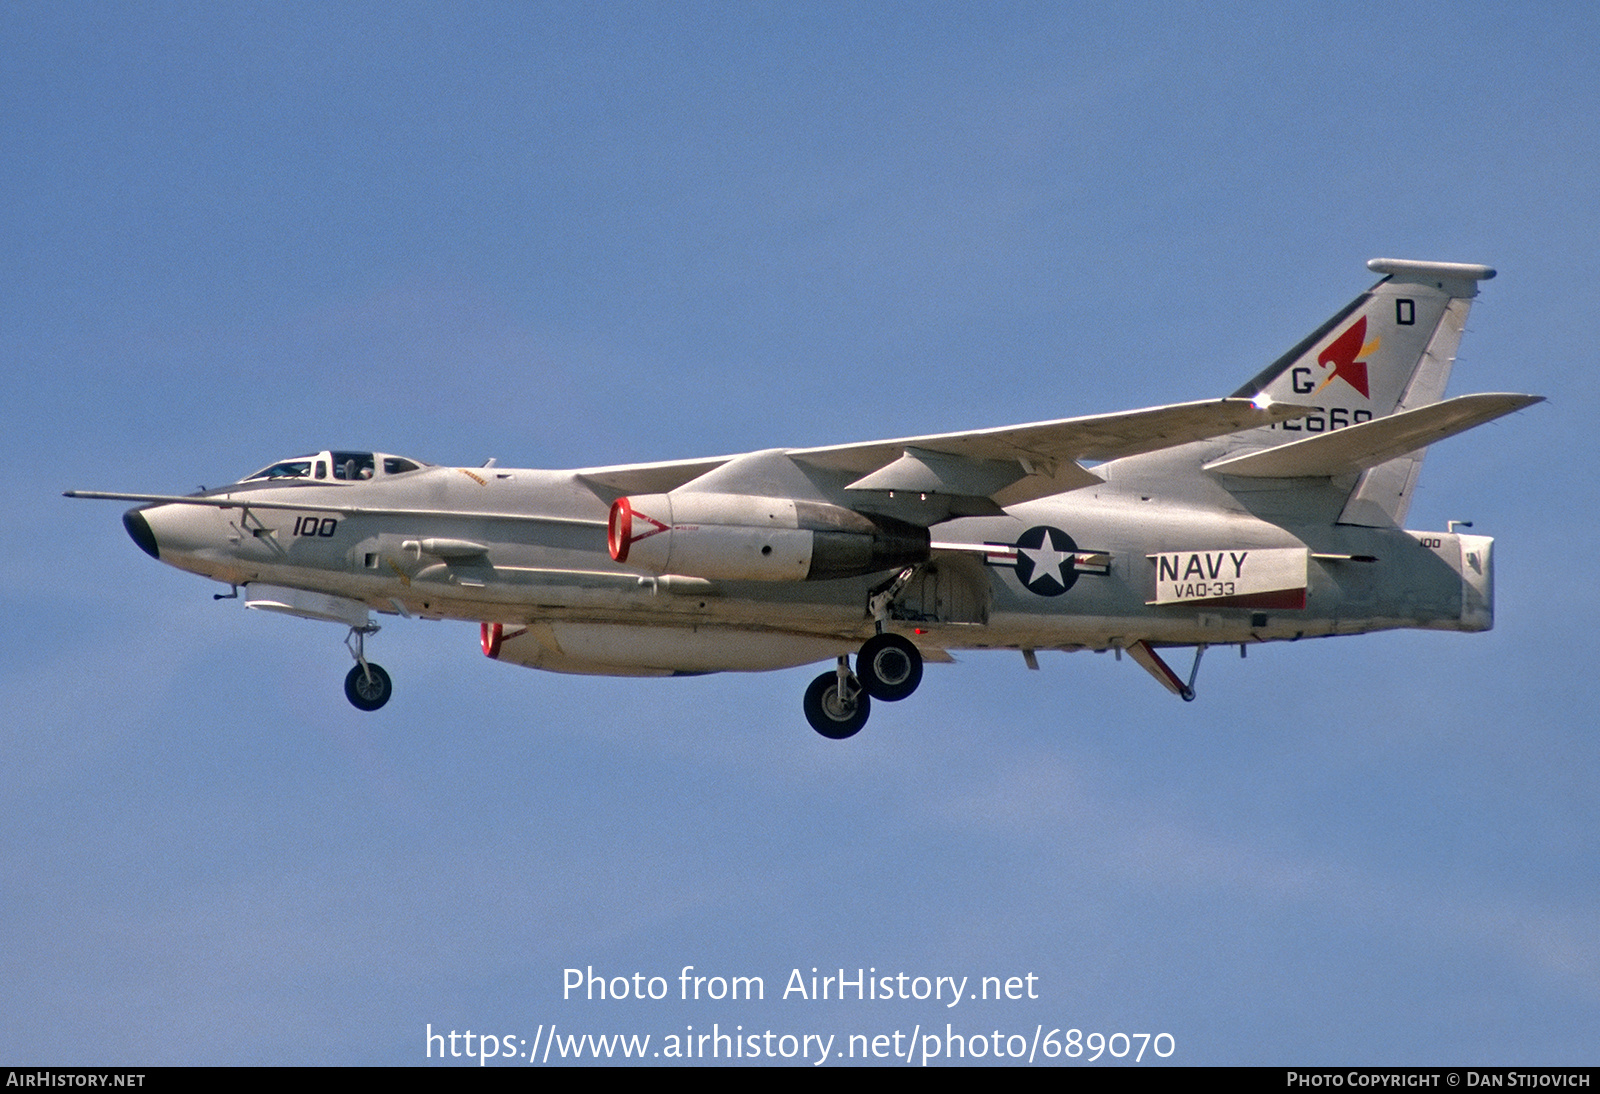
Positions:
(836, 705)
(367, 686)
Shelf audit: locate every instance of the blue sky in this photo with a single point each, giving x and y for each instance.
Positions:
(561, 236)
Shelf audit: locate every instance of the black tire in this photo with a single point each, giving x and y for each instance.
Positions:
(890, 666)
(827, 715)
(368, 693)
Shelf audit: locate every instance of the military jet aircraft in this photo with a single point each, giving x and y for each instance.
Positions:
(1273, 514)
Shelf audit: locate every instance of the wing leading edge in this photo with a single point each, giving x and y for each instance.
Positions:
(1003, 466)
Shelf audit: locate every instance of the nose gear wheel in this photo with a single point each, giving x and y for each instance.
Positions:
(367, 686)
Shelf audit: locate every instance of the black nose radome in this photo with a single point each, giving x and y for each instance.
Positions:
(139, 529)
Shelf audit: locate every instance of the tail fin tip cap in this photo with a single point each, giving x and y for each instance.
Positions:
(1454, 271)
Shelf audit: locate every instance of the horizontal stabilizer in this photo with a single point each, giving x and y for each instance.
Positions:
(1410, 270)
(1368, 444)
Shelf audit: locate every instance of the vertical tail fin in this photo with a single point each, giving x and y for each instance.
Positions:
(1390, 349)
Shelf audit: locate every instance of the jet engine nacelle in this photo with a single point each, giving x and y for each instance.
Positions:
(736, 537)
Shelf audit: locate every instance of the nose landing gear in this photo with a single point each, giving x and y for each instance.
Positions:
(367, 686)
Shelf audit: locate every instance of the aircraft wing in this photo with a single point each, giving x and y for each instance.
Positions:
(1004, 465)
(648, 478)
(1017, 463)
(1367, 444)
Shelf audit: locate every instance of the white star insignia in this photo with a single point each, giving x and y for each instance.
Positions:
(1046, 560)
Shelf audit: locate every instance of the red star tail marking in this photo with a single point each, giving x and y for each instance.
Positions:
(1342, 353)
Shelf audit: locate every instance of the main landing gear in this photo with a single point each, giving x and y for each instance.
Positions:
(835, 704)
(367, 686)
(888, 668)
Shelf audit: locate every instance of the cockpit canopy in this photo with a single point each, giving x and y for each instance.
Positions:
(337, 467)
